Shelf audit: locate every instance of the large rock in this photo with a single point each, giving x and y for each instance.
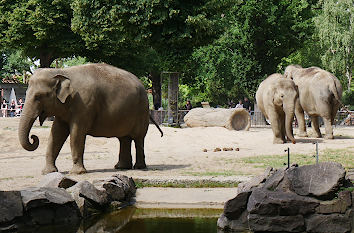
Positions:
(259, 223)
(320, 180)
(338, 205)
(89, 199)
(45, 206)
(256, 181)
(239, 224)
(233, 208)
(265, 202)
(118, 187)
(56, 180)
(10, 205)
(328, 223)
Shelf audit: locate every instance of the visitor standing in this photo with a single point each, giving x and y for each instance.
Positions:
(239, 105)
(247, 104)
(188, 105)
(12, 108)
(4, 108)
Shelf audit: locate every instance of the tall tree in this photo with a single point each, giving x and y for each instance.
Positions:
(259, 35)
(152, 34)
(335, 29)
(42, 28)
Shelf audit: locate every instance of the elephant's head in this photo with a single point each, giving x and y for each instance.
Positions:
(284, 97)
(290, 70)
(46, 95)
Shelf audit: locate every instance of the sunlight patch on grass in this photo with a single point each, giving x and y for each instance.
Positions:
(221, 173)
(343, 156)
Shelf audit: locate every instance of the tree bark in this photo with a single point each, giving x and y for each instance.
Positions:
(156, 89)
(46, 59)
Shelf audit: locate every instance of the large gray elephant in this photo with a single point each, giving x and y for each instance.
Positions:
(320, 94)
(276, 98)
(94, 99)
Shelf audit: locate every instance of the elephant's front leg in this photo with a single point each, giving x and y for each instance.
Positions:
(299, 113)
(58, 135)
(140, 155)
(125, 156)
(77, 144)
(276, 122)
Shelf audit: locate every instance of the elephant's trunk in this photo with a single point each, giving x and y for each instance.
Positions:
(289, 117)
(26, 122)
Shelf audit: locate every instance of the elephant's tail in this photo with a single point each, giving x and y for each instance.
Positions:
(334, 90)
(158, 127)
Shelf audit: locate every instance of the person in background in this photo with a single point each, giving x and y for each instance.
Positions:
(239, 105)
(12, 108)
(4, 108)
(247, 104)
(188, 105)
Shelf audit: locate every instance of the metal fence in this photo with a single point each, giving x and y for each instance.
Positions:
(343, 118)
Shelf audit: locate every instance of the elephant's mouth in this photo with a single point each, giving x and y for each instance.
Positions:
(42, 117)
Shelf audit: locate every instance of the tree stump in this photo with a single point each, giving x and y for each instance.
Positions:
(234, 119)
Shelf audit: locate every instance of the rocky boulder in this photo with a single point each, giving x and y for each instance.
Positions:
(10, 205)
(56, 180)
(320, 180)
(297, 199)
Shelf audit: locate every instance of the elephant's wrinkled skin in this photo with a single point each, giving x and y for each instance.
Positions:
(94, 99)
(276, 98)
(320, 94)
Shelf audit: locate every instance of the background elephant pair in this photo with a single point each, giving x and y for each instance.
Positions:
(318, 94)
(95, 99)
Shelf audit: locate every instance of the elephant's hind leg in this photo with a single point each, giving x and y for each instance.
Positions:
(316, 127)
(140, 155)
(125, 156)
(58, 135)
(328, 128)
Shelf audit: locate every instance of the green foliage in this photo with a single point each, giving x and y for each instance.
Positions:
(348, 98)
(334, 26)
(258, 35)
(14, 63)
(41, 27)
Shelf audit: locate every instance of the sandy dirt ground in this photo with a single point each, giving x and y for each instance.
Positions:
(179, 154)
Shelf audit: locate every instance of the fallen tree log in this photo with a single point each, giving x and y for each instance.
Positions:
(234, 119)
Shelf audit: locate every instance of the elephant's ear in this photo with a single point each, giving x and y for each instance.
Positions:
(63, 88)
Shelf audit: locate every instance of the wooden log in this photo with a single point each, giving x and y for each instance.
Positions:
(234, 119)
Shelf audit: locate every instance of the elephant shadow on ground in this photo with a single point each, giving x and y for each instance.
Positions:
(308, 140)
(155, 167)
(164, 167)
(343, 137)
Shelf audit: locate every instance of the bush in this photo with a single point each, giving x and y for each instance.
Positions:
(348, 98)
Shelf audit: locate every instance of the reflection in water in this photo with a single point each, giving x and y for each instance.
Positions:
(171, 225)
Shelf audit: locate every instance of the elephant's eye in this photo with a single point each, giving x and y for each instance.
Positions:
(37, 97)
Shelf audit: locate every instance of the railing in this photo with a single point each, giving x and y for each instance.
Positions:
(257, 118)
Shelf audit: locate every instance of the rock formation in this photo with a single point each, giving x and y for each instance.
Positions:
(311, 198)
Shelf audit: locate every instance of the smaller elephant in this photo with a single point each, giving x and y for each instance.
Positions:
(320, 94)
(276, 98)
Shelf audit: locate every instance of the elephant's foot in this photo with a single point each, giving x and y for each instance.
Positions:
(49, 169)
(140, 166)
(278, 141)
(302, 134)
(78, 170)
(317, 135)
(122, 166)
(329, 136)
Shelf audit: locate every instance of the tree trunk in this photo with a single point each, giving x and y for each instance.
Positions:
(156, 89)
(348, 73)
(46, 59)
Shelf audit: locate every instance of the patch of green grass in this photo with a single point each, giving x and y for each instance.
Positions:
(44, 126)
(193, 184)
(343, 156)
(221, 173)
